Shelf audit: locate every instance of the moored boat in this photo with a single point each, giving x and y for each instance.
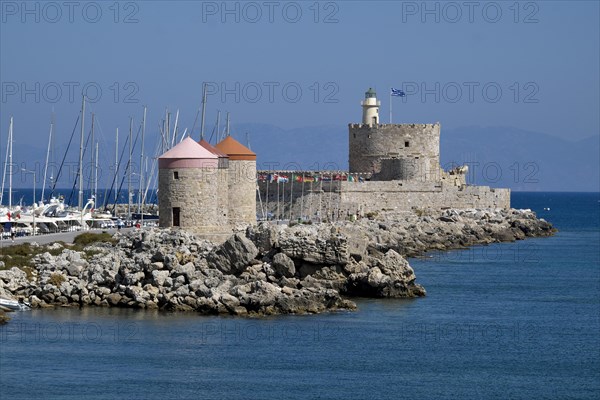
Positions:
(14, 305)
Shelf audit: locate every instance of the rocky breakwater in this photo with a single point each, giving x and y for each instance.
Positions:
(266, 270)
(413, 234)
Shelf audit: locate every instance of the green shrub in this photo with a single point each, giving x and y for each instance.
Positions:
(23, 249)
(56, 279)
(19, 255)
(88, 254)
(88, 238)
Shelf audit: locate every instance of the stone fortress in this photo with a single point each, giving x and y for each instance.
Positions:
(208, 190)
(391, 167)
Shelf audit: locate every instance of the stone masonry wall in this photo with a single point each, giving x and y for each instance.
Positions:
(368, 145)
(242, 191)
(394, 169)
(337, 199)
(196, 194)
(374, 196)
(223, 191)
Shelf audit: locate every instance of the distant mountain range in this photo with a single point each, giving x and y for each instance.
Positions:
(528, 161)
(497, 156)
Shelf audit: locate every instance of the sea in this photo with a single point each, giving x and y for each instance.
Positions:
(508, 321)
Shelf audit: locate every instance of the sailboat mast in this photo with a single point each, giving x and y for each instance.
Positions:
(218, 135)
(96, 174)
(203, 111)
(4, 168)
(47, 157)
(227, 129)
(175, 129)
(10, 165)
(116, 161)
(81, 156)
(140, 199)
(92, 161)
(168, 129)
(129, 171)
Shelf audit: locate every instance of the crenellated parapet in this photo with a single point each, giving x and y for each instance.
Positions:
(379, 126)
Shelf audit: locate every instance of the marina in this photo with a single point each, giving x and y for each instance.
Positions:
(51, 213)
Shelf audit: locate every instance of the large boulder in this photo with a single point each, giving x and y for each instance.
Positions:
(264, 236)
(388, 276)
(316, 245)
(233, 256)
(13, 280)
(283, 265)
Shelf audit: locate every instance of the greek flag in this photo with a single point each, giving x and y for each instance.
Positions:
(398, 92)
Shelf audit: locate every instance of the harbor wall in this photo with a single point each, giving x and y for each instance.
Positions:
(339, 199)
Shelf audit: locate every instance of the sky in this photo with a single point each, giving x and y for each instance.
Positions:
(527, 65)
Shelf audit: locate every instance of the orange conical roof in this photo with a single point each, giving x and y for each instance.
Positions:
(235, 150)
(212, 149)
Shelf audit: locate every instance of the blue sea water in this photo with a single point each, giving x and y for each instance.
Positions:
(515, 320)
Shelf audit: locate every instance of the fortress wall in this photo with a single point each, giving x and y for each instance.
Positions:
(269, 190)
(375, 196)
(369, 144)
(337, 199)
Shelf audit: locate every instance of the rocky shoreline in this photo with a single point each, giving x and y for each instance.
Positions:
(264, 270)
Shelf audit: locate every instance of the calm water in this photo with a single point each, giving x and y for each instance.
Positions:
(517, 320)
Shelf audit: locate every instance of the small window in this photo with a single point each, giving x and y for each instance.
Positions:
(175, 175)
(406, 144)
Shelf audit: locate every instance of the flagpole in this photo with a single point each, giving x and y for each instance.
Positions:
(390, 106)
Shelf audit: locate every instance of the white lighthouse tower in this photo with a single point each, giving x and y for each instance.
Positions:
(370, 108)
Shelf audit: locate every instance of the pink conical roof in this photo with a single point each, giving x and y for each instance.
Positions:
(188, 154)
(212, 149)
(190, 149)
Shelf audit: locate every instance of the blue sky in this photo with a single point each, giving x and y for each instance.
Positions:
(543, 57)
